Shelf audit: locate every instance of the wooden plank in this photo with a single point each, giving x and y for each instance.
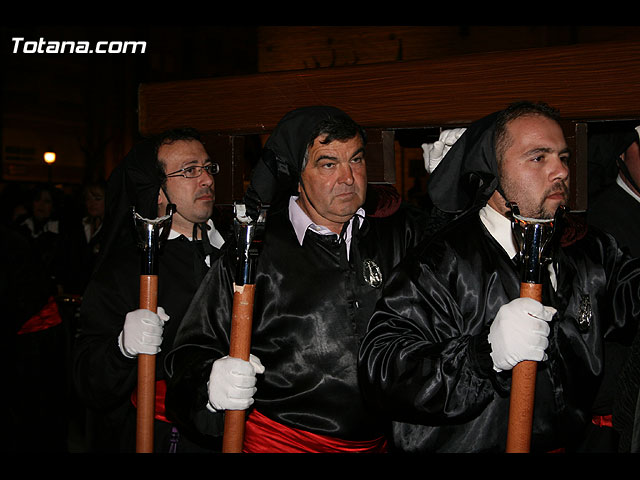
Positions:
(228, 152)
(380, 156)
(586, 82)
(294, 47)
(576, 136)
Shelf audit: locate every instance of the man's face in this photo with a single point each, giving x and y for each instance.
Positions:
(534, 171)
(334, 182)
(43, 206)
(193, 197)
(94, 202)
(632, 159)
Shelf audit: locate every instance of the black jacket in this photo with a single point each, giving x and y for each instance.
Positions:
(425, 361)
(311, 310)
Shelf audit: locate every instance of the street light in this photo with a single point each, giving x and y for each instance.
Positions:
(49, 159)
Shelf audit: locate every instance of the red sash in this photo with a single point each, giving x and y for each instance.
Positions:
(48, 317)
(602, 420)
(263, 435)
(161, 391)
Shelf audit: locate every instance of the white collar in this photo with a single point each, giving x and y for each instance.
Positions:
(499, 227)
(301, 222)
(627, 188)
(215, 239)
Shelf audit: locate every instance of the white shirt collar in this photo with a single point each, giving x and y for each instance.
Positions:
(499, 227)
(626, 188)
(215, 239)
(301, 222)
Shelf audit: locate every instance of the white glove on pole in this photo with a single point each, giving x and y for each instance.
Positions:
(142, 332)
(232, 383)
(433, 153)
(519, 332)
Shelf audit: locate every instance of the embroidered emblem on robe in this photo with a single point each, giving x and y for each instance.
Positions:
(585, 313)
(372, 273)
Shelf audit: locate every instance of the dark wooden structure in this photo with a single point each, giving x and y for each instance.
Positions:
(586, 82)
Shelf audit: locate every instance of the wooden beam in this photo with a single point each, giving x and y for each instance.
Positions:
(586, 82)
(577, 140)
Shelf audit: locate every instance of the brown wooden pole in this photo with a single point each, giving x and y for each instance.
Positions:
(239, 347)
(146, 396)
(523, 383)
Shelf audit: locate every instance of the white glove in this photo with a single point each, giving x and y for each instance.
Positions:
(142, 332)
(519, 332)
(433, 153)
(232, 383)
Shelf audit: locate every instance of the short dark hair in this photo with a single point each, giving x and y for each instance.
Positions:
(170, 136)
(175, 134)
(337, 127)
(514, 111)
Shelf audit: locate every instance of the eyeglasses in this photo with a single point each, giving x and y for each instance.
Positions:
(194, 171)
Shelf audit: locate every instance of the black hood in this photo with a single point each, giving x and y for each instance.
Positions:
(135, 182)
(468, 174)
(278, 171)
(604, 154)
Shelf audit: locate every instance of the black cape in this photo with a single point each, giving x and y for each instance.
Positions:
(611, 208)
(425, 360)
(104, 378)
(311, 306)
(310, 312)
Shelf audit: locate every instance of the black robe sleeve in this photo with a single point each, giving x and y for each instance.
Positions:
(426, 356)
(198, 344)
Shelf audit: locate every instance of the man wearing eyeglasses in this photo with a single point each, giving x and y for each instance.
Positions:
(189, 184)
(175, 168)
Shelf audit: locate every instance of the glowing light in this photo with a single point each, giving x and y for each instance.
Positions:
(49, 157)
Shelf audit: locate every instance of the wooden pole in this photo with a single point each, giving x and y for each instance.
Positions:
(146, 396)
(150, 241)
(533, 237)
(523, 384)
(249, 234)
(239, 347)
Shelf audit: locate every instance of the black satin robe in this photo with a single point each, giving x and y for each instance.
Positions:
(618, 213)
(425, 359)
(103, 376)
(310, 312)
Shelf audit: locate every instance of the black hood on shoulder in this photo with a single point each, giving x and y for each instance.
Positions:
(134, 182)
(468, 174)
